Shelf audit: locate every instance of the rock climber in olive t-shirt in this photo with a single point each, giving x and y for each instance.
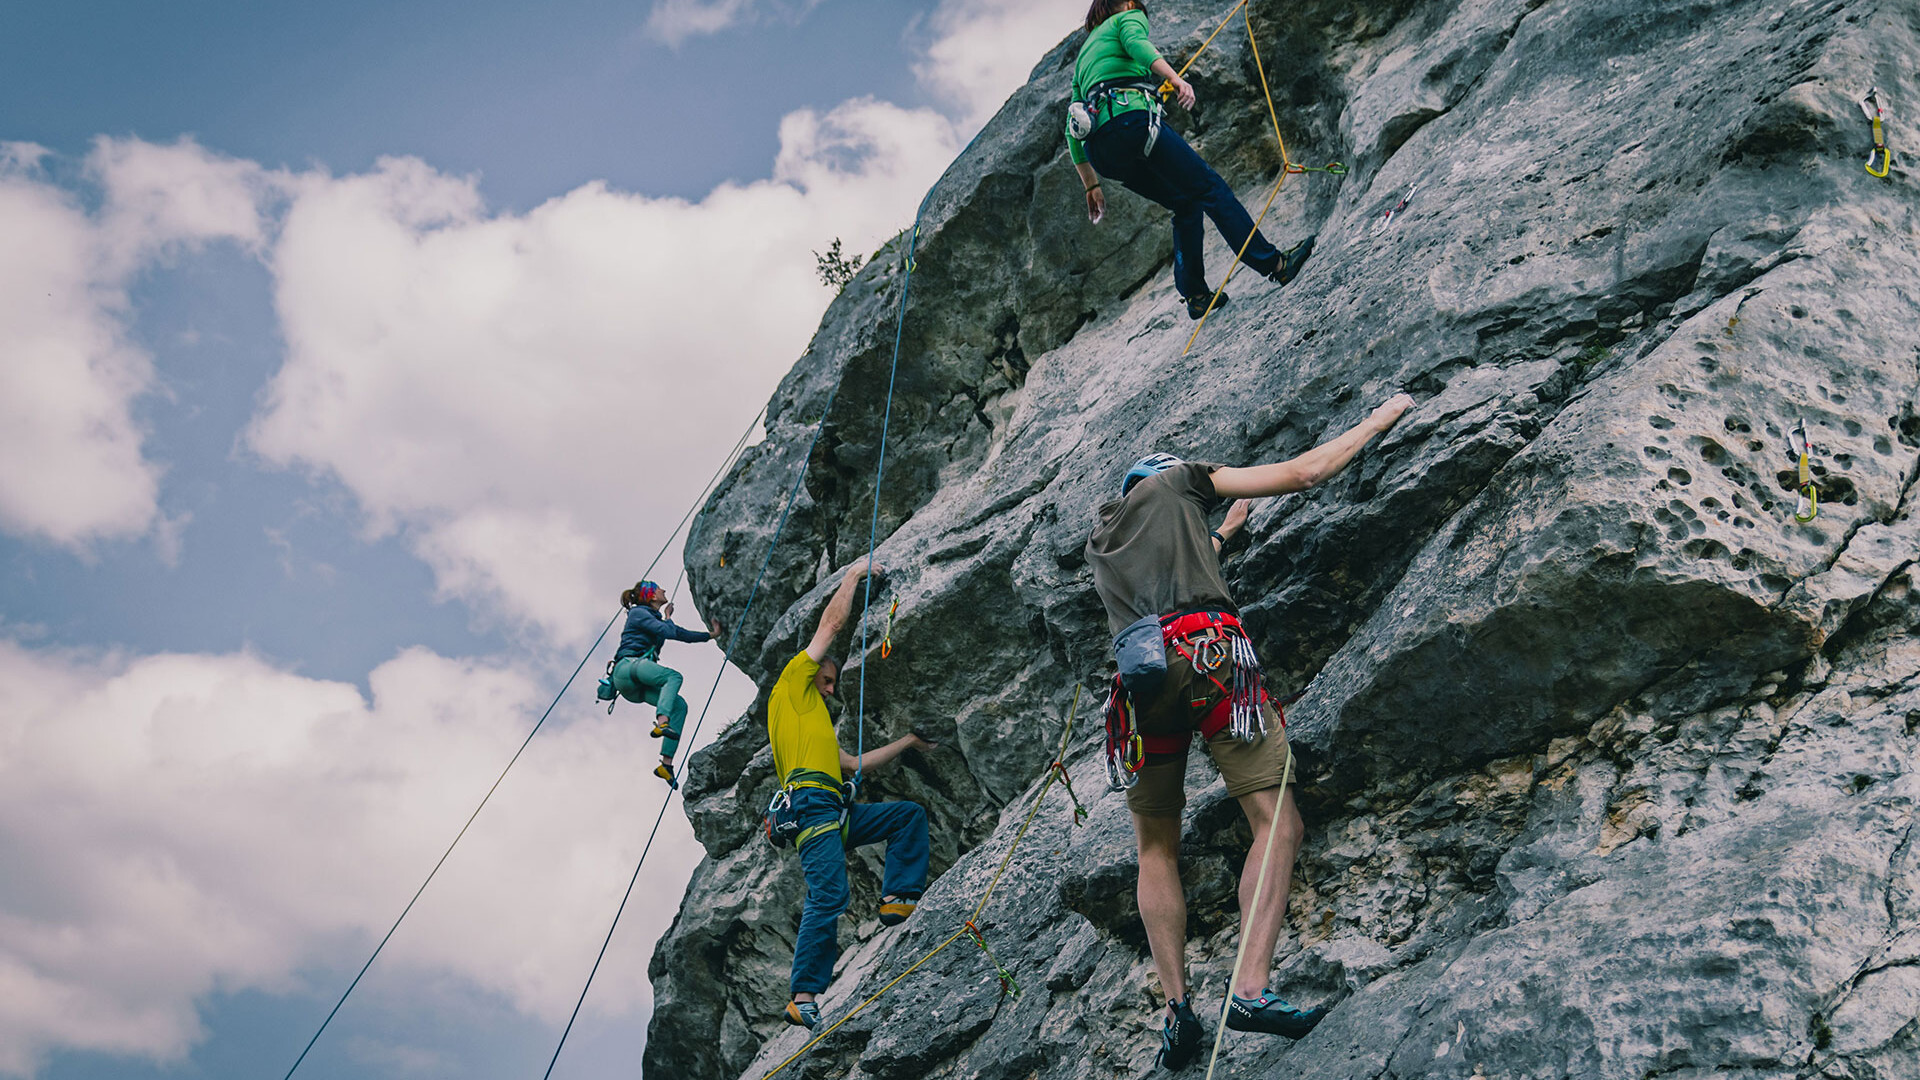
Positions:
(810, 764)
(1153, 555)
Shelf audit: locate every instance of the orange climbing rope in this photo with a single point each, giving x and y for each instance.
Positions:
(1287, 167)
(969, 928)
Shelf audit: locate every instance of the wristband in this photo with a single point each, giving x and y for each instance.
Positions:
(1215, 533)
(1095, 187)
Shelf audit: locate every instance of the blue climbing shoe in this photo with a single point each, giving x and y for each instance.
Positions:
(1271, 1015)
(804, 1014)
(1197, 305)
(1291, 260)
(1180, 1039)
(605, 691)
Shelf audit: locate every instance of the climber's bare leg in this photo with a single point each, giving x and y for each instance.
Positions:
(1163, 900)
(1261, 929)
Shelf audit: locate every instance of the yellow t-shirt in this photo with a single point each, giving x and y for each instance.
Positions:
(801, 729)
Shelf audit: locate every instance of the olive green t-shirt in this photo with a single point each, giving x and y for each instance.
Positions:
(1152, 553)
(1116, 49)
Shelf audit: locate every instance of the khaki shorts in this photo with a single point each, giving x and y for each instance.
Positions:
(1245, 766)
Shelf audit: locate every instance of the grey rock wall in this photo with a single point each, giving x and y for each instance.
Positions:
(1610, 764)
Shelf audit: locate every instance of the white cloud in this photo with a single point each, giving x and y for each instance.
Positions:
(534, 399)
(72, 469)
(983, 50)
(178, 824)
(674, 21)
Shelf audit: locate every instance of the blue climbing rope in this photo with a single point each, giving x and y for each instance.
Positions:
(879, 474)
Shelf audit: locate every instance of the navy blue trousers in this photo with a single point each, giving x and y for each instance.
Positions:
(1176, 178)
(902, 826)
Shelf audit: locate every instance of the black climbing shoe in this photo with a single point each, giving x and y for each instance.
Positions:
(1197, 305)
(804, 1014)
(1180, 1039)
(1271, 1015)
(1291, 260)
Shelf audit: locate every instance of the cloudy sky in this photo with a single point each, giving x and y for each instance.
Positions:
(353, 356)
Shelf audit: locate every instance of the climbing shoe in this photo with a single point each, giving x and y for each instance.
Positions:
(1180, 1039)
(804, 1014)
(665, 772)
(659, 729)
(1291, 260)
(1197, 305)
(1271, 1015)
(605, 690)
(895, 912)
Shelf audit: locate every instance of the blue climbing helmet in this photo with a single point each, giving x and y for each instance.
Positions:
(1151, 465)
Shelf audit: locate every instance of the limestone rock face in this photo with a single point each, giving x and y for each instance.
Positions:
(1610, 765)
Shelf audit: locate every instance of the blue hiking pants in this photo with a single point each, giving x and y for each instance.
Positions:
(641, 680)
(1176, 178)
(902, 826)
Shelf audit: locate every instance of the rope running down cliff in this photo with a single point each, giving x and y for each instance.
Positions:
(725, 464)
(1288, 165)
(969, 928)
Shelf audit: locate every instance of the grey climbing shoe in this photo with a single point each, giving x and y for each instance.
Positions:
(1180, 1039)
(804, 1014)
(1271, 1015)
(1291, 260)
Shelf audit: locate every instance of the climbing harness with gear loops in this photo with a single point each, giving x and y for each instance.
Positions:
(1870, 105)
(1808, 507)
(1210, 641)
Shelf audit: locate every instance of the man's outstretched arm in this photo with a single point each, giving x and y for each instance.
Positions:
(838, 610)
(1310, 468)
(880, 755)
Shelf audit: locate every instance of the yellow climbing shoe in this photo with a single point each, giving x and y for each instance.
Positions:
(804, 1014)
(659, 729)
(665, 772)
(895, 912)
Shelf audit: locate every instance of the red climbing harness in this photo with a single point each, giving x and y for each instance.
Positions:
(1210, 641)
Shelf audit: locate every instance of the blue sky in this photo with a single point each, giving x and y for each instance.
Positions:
(352, 357)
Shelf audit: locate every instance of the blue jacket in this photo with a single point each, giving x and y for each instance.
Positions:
(646, 631)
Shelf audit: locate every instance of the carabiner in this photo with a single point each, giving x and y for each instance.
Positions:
(1808, 506)
(1870, 105)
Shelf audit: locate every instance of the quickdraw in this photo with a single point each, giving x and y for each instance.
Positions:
(1008, 987)
(1809, 504)
(886, 638)
(1870, 105)
(1387, 218)
(1079, 812)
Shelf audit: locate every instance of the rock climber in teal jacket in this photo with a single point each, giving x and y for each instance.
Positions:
(1115, 132)
(637, 673)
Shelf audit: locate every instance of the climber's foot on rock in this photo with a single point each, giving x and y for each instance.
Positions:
(1291, 260)
(1181, 1037)
(804, 1014)
(895, 909)
(1197, 305)
(1271, 1015)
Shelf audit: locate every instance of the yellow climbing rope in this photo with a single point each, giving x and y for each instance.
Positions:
(1287, 167)
(968, 929)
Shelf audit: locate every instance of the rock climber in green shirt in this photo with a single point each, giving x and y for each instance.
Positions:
(1120, 137)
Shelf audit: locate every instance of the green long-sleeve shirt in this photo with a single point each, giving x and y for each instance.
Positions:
(1117, 49)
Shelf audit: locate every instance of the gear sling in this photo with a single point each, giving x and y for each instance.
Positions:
(1227, 691)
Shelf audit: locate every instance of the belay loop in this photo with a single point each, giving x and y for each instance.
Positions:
(1870, 105)
(1809, 505)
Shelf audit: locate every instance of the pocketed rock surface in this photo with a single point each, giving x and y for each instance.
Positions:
(1608, 764)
